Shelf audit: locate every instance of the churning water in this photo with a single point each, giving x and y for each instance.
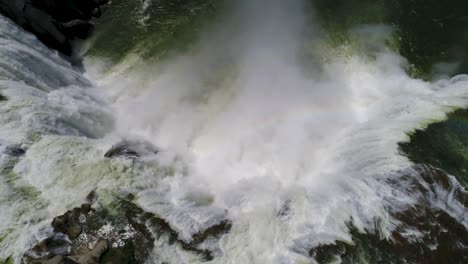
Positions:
(262, 124)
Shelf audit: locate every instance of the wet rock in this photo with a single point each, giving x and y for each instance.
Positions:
(85, 208)
(87, 235)
(121, 151)
(49, 248)
(59, 224)
(54, 260)
(215, 231)
(69, 223)
(131, 150)
(74, 231)
(55, 22)
(160, 227)
(77, 28)
(124, 255)
(90, 256)
(92, 197)
(3, 98)
(124, 233)
(15, 151)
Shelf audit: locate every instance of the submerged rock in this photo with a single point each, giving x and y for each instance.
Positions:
(57, 23)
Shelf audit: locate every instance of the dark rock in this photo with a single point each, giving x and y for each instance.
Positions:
(49, 248)
(92, 197)
(131, 149)
(68, 260)
(123, 255)
(57, 23)
(3, 98)
(121, 151)
(132, 234)
(54, 260)
(86, 255)
(215, 231)
(160, 227)
(69, 223)
(67, 246)
(85, 208)
(59, 224)
(15, 151)
(74, 231)
(77, 28)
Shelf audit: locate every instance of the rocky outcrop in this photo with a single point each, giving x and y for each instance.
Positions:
(123, 233)
(57, 23)
(88, 235)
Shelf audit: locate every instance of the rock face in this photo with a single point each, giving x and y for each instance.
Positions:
(57, 23)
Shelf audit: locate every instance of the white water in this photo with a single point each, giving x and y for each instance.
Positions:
(259, 132)
(288, 153)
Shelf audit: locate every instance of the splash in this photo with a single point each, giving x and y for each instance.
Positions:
(287, 145)
(262, 124)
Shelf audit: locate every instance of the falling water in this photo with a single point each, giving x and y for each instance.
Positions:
(261, 124)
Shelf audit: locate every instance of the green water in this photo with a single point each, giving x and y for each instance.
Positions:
(427, 31)
(171, 27)
(431, 34)
(444, 145)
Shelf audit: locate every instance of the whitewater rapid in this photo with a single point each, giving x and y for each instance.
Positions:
(247, 130)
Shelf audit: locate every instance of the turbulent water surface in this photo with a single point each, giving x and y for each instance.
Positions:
(260, 120)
